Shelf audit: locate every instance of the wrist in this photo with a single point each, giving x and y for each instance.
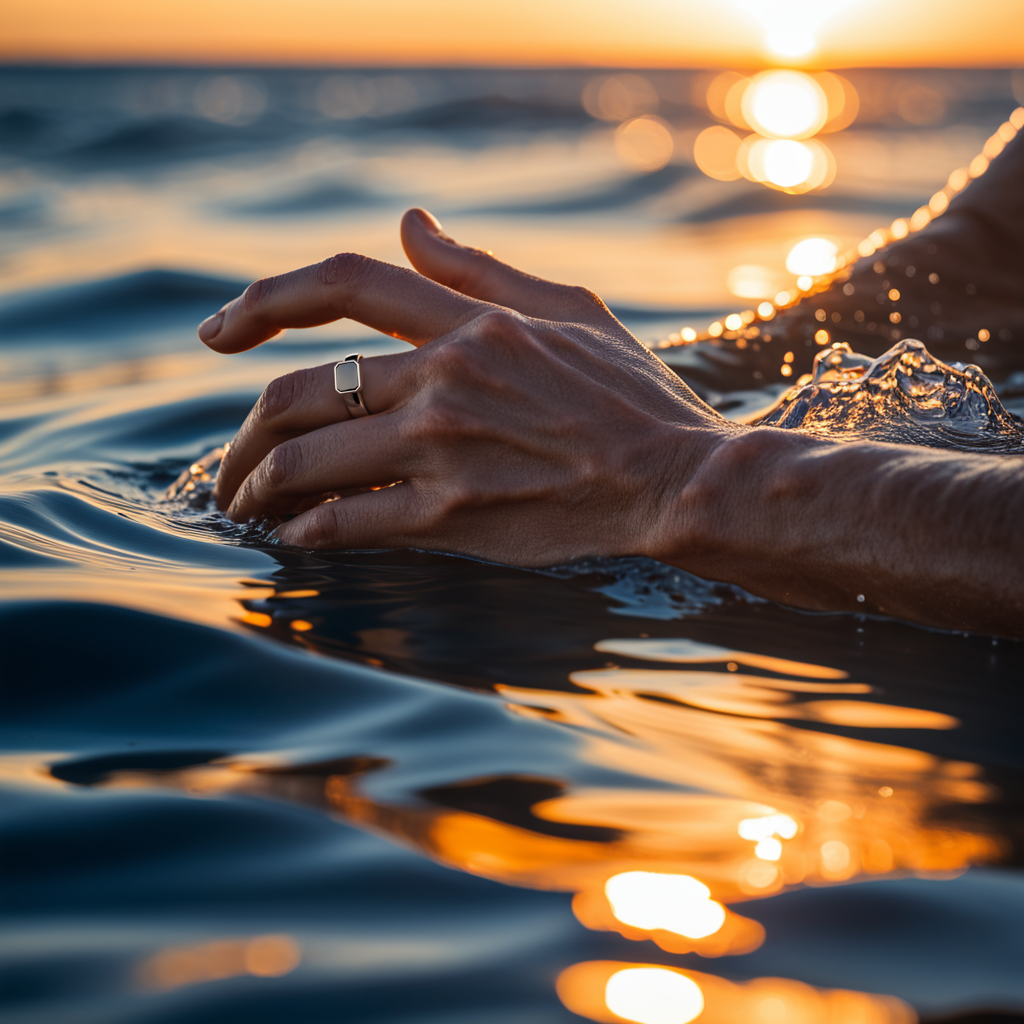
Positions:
(731, 505)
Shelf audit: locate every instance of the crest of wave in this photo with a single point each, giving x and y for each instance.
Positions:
(905, 396)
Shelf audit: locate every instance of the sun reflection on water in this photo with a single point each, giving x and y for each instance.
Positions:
(676, 903)
(653, 995)
(751, 799)
(783, 109)
(785, 105)
(611, 991)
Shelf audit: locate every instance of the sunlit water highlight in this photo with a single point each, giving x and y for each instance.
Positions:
(905, 396)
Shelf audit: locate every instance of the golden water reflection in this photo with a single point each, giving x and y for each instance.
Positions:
(611, 991)
(264, 956)
(751, 780)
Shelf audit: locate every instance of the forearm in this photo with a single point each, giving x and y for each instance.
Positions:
(930, 536)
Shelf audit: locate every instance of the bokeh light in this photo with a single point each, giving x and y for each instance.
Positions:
(231, 99)
(715, 152)
(654, 995)
(619, 97)
(842, 98)
(786, 164)
(644, 143)
(812, 257)
(347, 97)
(717, 96)
(919, 104)
(751, 281)
(779, 106)
(785, 105)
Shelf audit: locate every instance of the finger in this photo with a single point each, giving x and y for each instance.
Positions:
(367, 452)
(390, 299)
(478, 274)
(299, 402)
(387, 518)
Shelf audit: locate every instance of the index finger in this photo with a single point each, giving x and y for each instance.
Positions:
(389, 299)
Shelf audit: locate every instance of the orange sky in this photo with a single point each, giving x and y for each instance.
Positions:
(596, 32)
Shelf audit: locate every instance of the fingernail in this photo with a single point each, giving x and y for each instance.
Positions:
(210, 327)
(431, 223)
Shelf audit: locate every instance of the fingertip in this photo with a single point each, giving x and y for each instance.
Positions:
(292, 536)
(210, 327)
(419, 225)
(425, 219)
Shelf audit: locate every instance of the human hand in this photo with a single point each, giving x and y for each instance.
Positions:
(532, 429)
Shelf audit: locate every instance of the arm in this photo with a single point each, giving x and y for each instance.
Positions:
(530, 427)
(926, 535)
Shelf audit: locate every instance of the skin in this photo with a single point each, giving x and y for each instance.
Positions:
(530, 427)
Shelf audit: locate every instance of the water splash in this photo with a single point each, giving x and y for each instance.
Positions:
(644, 588)
(905, 396)
(191, 498)
(194, 486)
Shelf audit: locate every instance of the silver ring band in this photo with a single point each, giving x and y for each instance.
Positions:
(348, 382)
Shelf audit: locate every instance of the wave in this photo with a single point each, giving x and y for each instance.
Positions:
(131, 303)
(762, 201)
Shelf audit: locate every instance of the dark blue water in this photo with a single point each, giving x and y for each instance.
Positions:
(245, 783)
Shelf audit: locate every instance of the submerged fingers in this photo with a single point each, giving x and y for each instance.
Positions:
(383, 518)
(367, 452)
(298, 403)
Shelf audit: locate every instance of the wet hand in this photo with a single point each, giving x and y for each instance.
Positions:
(528, 426)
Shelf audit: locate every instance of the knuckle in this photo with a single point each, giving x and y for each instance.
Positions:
(587, 299)
(258, 292)
(328, 526)
(281, 467)
(459, 496)
(499, 324)
(342, 275)
(344, 268)
(456, 357)
(278, 398)
(439, 419)
(422, 519)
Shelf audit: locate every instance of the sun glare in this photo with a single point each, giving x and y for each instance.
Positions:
(791, 26)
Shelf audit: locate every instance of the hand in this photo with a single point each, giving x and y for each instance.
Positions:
(532, 429)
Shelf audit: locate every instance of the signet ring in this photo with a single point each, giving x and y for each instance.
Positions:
(348, 382)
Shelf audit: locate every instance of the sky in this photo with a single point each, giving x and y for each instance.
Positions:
(663, 33)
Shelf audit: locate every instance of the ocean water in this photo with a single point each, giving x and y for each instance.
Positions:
(243, 783)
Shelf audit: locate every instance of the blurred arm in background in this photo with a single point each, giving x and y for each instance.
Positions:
(960, 288)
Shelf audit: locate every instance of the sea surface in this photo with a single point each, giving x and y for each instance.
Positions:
(245, 783)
